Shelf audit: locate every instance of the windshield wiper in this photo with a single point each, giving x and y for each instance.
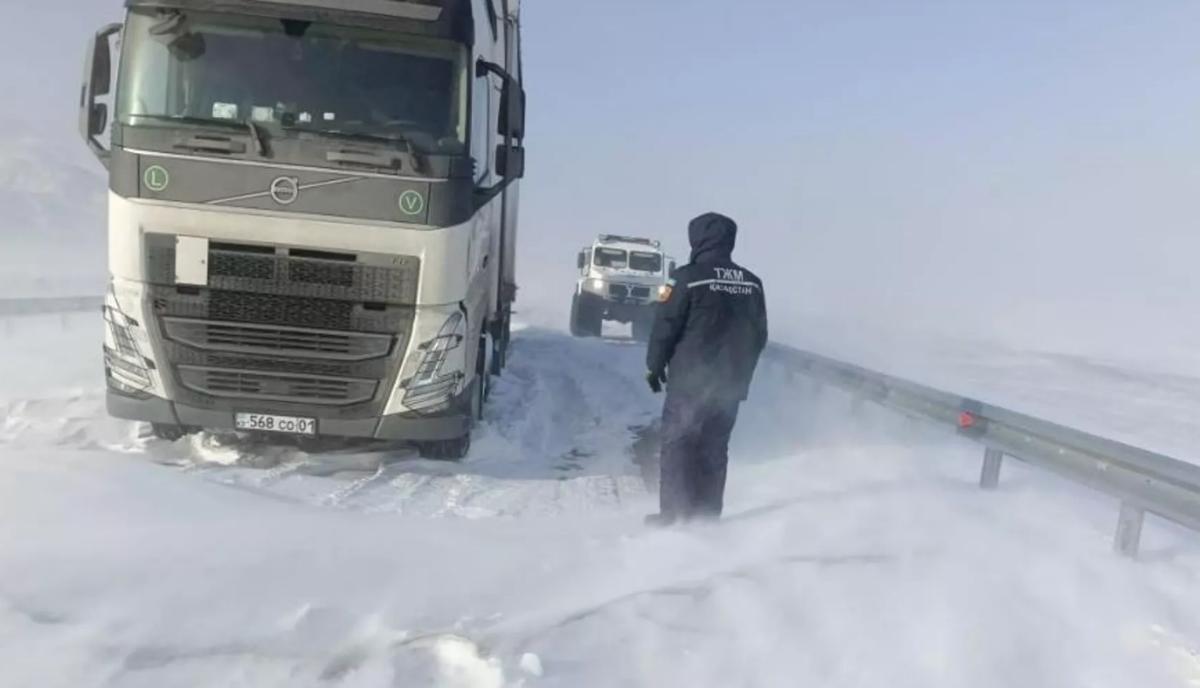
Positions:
(352, 135)
(392, 140)
(260, 140)
(255, 131)
(172, 23)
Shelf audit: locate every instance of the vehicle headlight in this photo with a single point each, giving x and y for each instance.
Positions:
(128, 371)
(596, 283)
(429, 389)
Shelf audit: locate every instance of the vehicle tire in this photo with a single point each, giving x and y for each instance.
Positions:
(501, 337)
(576, 330)
(167, 432)
(483, 379)
(586, 317)
(446, 450)
(643, 325)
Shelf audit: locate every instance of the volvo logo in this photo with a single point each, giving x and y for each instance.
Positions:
(285, 190)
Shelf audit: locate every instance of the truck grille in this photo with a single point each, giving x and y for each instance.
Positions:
(286, 341)
(244, 384)
(628, 291)
(270, 309)
(294, 272)
(282, 330)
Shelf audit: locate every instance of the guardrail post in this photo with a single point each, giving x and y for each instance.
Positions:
(1129, 530)
(989, 479)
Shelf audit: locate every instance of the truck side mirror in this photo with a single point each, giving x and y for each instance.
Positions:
(510, 162)
(581, 260)
(97, 82)
(670, 268)
(512, 110)
(511, 121)
(98, 121)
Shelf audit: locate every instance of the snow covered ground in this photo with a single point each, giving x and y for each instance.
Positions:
(1144, 390)
(857, 551)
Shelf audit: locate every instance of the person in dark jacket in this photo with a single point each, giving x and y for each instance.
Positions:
(709, 331)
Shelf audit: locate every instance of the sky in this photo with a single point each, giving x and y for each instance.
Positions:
(1013, 170)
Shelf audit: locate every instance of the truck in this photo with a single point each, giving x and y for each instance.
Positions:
(621, 279)
(312, 214)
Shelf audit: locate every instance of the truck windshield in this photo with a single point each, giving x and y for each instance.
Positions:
(645, 262)
(619, 259)
(611, 258)
(307, 75)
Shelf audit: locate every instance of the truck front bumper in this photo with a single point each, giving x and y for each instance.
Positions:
(453, 424)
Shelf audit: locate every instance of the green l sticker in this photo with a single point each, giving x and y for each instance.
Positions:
(156, 178)
(412, 202)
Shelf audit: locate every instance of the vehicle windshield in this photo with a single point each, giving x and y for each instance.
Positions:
(645, 261)
(613, 258)
(619, 259)
(285, 74)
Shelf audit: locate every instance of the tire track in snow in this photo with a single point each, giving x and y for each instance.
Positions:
(555, 439)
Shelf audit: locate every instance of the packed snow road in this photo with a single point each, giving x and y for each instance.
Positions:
(857, 551)
(555, 438)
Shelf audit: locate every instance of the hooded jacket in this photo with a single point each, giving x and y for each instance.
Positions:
(711, 326)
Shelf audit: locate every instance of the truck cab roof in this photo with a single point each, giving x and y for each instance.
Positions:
(628, 243)
(443, 18)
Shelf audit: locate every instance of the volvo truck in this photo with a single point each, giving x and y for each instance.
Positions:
(312, 213)
(621, 279)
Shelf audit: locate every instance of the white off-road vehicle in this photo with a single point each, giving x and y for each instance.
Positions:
(620, 279)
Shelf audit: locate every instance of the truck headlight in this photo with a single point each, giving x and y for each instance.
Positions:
(430, 389)
(128, 371)
(596, 283)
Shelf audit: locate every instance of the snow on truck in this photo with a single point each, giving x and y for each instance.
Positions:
(312, 213)
(620, 279)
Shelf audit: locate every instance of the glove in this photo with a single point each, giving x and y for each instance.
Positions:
(656, 381)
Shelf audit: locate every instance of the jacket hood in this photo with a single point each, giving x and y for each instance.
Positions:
(712, 236)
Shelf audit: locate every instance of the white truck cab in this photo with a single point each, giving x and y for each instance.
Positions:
(621, 279)
(312, 213)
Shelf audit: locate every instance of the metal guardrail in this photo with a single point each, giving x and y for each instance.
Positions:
(1143, 481)
(49, 306)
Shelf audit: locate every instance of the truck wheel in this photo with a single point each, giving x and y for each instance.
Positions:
(483, 379)
(586, 317)
(642, 327)
(446, 450)
(168, 433)
(501, 337)
(576, 330)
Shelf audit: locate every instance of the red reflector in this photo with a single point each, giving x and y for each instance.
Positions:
(966, 420)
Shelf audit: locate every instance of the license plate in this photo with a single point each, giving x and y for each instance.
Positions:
(261, 422)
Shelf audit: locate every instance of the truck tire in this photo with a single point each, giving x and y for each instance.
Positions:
(167, 432)
(446, 450)
(576, 330)
(483, 378)
(501, 338)
(586, 317)
(643, 325)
